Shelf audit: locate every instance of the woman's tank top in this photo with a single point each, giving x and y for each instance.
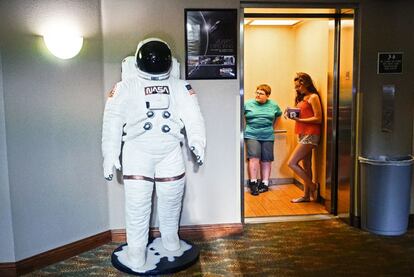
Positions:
(304, 128)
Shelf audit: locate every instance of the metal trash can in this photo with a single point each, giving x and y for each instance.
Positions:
(385, 194)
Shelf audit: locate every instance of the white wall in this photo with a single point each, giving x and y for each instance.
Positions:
(53, 117)
(53, 114)
(212, 194)
(6, 227)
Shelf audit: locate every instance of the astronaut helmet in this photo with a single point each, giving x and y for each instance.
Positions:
(153, 59)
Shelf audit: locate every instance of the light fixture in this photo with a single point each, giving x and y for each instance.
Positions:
(62, 43)
(345, 23)
(273, 22)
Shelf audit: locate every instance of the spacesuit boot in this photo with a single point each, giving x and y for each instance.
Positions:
(169, 208)
(171, 242)
(137, 256)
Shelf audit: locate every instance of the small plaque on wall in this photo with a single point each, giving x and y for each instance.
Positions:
(390, 62)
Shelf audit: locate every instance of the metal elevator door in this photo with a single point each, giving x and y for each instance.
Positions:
(340, 117)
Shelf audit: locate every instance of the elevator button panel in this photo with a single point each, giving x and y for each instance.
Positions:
(388, 99)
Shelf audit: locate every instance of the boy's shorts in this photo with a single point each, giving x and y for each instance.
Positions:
(260, 149)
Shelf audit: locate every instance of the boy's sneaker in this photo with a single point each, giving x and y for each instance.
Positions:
(262, 187)
(254, 190)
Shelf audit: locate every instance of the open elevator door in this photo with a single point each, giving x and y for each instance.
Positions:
(337, 153)
(340, 116)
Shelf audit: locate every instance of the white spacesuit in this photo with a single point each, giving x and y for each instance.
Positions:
(148, 112)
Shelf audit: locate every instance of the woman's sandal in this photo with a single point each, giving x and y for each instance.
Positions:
(300, 200)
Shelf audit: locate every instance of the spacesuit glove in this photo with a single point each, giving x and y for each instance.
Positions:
(198, 151)
(108, 167)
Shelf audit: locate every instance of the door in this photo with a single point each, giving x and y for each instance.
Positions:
(340, 115)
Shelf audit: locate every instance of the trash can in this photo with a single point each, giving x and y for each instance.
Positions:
(385, 194)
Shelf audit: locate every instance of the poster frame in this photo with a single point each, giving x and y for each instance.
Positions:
(220, 63)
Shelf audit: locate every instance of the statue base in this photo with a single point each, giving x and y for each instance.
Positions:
(159, 260)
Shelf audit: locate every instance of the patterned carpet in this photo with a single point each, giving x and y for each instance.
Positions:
(312, 248)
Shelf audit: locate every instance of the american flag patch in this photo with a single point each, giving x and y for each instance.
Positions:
(190, 89)
(112, 92)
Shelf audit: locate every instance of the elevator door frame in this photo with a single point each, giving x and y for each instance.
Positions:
(338, 16)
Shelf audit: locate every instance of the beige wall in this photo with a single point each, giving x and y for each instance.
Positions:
(269, 55)
(312, 47)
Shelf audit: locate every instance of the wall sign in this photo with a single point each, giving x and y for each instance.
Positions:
(390, 62)
(210, 44)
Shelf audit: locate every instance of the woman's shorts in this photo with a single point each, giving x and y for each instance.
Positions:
(309, 139)
(260, 149)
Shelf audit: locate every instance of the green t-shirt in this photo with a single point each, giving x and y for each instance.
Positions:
(260, 119)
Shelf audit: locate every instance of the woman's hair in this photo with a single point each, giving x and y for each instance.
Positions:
(305, 80)
(265, 88)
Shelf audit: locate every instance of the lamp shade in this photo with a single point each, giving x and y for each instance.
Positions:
(63, 45)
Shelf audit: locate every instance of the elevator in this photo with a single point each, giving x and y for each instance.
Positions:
(278, 42)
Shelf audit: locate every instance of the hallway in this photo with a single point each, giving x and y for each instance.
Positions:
(312, 248)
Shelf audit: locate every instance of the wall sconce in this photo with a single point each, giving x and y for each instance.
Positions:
(62, 44)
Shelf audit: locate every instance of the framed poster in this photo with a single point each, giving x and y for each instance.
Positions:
(210, 44)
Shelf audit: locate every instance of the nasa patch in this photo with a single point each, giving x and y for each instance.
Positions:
(190, 89)
(156, 90)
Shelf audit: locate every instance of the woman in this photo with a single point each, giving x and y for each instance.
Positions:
(308, 129)
(261, 116)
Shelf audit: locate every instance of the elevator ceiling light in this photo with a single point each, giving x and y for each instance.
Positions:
(347, 23)
(63, 44)
(273, 22)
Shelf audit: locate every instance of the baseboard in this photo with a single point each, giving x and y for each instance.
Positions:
(411, 221)
(298, 184)
(276, 181)
(355, 221)
(118, 235)
(54, 255)
(8, 269)
(211, 231)
(191, 232)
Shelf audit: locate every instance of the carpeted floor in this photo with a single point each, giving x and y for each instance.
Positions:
(312, 248)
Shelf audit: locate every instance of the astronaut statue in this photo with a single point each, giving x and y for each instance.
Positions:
(148, 112)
